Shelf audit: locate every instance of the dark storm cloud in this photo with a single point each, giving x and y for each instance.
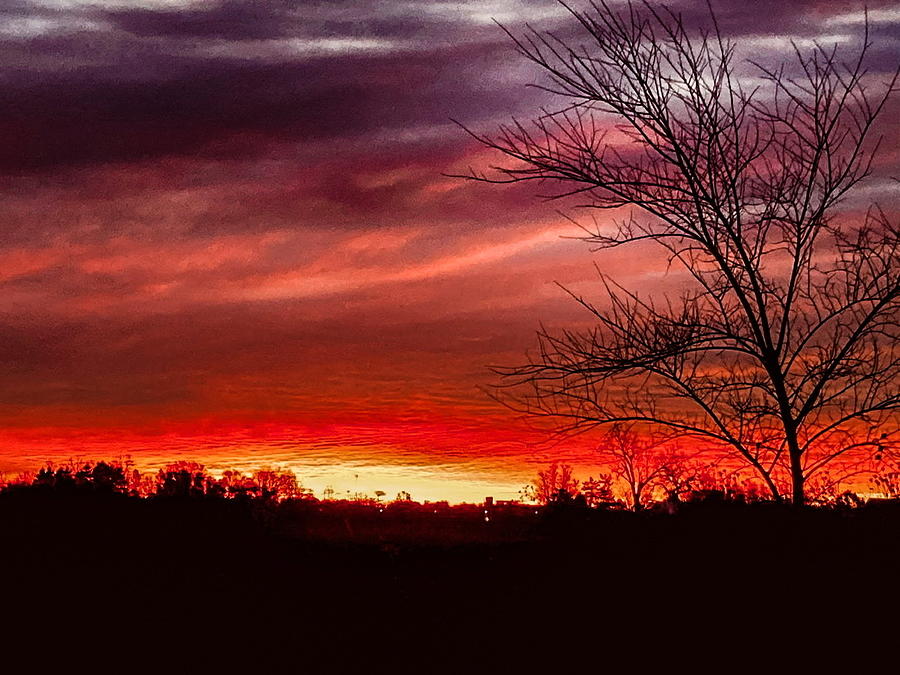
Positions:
(92, 86)
(90, 120)
(70, 120)
(331, 114)
(88, 83)
(230, 20)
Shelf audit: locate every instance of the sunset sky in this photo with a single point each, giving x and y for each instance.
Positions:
(228, 234)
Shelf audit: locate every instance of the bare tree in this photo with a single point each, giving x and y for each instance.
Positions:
(597, 492)
(783, 347)
(641, 461)
(554, 483)
(885, 474)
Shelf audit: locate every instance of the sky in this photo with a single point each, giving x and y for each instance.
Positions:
(229, 234)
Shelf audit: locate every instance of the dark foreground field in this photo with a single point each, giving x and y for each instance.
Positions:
(205, 585)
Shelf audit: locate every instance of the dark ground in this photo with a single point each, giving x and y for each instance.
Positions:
(210, 585)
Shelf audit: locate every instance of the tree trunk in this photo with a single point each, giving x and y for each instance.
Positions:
(798, 495)
(797, 481)
(776, 494)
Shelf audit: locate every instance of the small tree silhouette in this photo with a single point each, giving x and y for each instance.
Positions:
(642, 462)
(598, 491)
(885, 474)
(100, 477)
(103, 477)
(555, 483)
(278, 484)
(182, 479)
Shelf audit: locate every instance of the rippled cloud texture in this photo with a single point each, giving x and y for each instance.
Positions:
(228, 230)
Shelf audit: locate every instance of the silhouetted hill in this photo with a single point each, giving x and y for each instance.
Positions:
(337, 588)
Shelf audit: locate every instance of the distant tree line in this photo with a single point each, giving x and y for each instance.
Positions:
(178, 479)
(638, 473)
(647, 471)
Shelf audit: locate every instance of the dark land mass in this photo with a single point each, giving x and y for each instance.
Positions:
(302, 586)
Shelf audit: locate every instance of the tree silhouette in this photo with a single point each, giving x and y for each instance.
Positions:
(278, 484)
(644, 463)
(103, 477)
(555, 483)
(100, 477)
(885, 478)
(60, 478)
(182, 479)
(782, 348)
(598, 491)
